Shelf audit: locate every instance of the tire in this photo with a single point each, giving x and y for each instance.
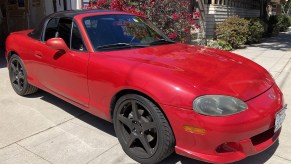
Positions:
(18, 77)
(142, 129)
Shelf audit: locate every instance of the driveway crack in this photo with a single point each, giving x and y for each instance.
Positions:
(282, 158)
(34, 153)
(78, 116)
(102, 153)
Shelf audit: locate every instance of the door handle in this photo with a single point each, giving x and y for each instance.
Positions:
(38, 55)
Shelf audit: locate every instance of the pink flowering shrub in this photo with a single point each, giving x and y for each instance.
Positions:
(171, 16)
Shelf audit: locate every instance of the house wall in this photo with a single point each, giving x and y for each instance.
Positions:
(17, 16)
(216, 14)
(33, 11)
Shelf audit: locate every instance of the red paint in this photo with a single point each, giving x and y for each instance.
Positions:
(172, 75)
(57, 43)
(238, 128)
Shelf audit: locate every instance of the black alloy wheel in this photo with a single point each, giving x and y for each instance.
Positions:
(142, 129)
(18, 77)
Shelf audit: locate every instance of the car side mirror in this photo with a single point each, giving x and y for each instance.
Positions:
(57, 44)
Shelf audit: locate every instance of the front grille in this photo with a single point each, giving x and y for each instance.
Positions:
(263, 137)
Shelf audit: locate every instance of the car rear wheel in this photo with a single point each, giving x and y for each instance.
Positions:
(142, 129)
(18, 77)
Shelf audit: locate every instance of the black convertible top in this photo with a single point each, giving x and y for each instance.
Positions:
(37, 32)
(73, 13)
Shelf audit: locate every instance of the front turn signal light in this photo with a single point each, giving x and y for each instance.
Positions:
(195, 130)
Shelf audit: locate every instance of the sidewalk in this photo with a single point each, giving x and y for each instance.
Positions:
(275, 56)
(44, 129)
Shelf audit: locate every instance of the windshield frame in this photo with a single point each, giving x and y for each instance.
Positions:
(145, 21)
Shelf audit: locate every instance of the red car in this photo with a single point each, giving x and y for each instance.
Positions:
(162, 96)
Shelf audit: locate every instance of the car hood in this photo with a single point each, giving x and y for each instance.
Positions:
(210, 71)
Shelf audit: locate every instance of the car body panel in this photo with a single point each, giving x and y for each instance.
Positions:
(239, 128)
(171, 75)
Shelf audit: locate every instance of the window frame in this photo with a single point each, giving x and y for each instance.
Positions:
(45, 28)
(82, 38)
(71, 32)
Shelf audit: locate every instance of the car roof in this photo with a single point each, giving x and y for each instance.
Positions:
(37, 32)
(73, 13)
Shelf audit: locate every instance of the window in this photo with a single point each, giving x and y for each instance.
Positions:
(117, 29)
(64, 30)
(67, 30)
(76, 41)
(51, 29)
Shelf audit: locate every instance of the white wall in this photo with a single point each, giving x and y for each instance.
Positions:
(45, 8)
(76, 4)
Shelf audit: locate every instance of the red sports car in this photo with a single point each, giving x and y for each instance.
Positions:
(162, 96)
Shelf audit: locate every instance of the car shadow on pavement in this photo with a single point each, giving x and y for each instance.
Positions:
(2, 59)
(108, 128)
(78, 113)
(176, 158)
(260, 158)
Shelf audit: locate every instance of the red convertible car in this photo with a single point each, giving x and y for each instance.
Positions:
(161, 96)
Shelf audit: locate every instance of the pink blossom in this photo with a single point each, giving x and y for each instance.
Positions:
(173, 35)
(196, 14)
(159, 12)
(175, 16)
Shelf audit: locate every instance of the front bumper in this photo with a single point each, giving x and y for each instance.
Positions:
(231, 138)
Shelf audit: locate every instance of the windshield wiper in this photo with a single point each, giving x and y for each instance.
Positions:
(119, 46)
(161, 41)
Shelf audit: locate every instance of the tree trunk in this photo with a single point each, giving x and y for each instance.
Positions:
(264, 13)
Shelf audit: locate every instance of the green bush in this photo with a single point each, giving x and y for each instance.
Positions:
(256, 30)
(274, 29)
(219, 44)
(213, 44)
(284, 22)
(279, 23)
(224, 45)
(234, 31)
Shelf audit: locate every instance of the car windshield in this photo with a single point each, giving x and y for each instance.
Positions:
(109, 32)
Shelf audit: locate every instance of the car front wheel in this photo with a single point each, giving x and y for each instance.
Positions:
(142, 129)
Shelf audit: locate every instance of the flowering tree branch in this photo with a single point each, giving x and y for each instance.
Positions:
(171, 16)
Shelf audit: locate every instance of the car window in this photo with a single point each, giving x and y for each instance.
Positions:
(76, 40)
(64, 30)
(51, 29)
(116, 29)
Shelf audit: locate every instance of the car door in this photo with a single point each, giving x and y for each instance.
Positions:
(64, 72)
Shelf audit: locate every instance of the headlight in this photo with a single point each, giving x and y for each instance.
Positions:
(216, 105)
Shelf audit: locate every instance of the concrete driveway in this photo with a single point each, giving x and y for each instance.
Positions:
(44, 129)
